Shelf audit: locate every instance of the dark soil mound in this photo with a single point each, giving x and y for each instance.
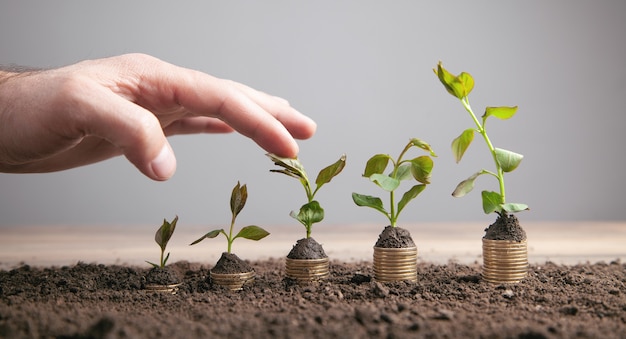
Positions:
(395, 237)
(162, 276)
(447, 301)
(230, 263)
(307, 248)
(506, 227)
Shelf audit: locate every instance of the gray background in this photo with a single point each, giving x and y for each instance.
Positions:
(362, 70)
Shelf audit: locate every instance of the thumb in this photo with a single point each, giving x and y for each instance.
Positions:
(135, 131)
(146, 147)
(163, 166)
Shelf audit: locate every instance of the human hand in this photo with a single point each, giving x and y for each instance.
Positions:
(62, 118)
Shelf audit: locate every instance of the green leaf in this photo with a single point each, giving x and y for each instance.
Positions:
(164, 233)
(404, 172)
(467, 185)
(492, 202)
(369, 201)
(449, 81)
(423, 145)
(330, 172)
(459, 86)
(502, 112)
(292, 166)
(421, 168)
(446, 78)
(376, 164)
(287, 173)
(309, 214)
(385, 182)
(410, 195)
(508, 160)
(467, 82)
(515, 207)
(211, 234)
(238, 198)
(252, 232)
(461, 143)
(153, 264)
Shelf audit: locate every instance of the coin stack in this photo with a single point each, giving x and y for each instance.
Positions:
(233, 281)
(504, 261)
(305, 271)
(395, 264)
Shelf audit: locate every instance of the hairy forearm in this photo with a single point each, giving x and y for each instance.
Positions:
(10, 71)
(5, 75)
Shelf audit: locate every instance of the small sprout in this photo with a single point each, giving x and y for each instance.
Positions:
(162, 237)
(237, 201)
(505, 161)
(418, 168)
(311, 212)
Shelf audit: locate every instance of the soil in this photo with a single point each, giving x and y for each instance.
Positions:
(230, 263)
(506, 227)
(447, 301)
(307, 248)
(395, 237)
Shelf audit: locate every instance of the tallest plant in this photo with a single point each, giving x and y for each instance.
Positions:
(505, 252)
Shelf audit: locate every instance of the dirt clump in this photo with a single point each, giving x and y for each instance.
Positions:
(395, 237)
(230, 263)
(161, 276)
(307, 248)
(506, 227)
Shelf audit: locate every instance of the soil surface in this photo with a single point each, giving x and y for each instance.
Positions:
(447, 301)
(307, 248)
(506, 227)
(395, 237)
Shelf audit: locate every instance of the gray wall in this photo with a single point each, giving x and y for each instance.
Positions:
(362, 70)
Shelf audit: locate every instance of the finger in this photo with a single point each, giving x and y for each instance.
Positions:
(299, 125)
(204, 95)
(271, 127)
(194, 125)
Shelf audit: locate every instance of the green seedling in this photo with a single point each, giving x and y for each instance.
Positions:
(418, 169)
(237, 201)
(311, 212)
(505, 161)
(162, 237)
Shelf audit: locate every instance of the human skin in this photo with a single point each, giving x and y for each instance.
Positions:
(56, 119)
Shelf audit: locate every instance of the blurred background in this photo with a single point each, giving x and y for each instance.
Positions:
(363, 71)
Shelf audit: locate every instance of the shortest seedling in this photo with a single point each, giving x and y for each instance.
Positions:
(237, 202)
(161, 278)
(162, 237)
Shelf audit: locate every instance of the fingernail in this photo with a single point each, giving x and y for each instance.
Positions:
(164, 165)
